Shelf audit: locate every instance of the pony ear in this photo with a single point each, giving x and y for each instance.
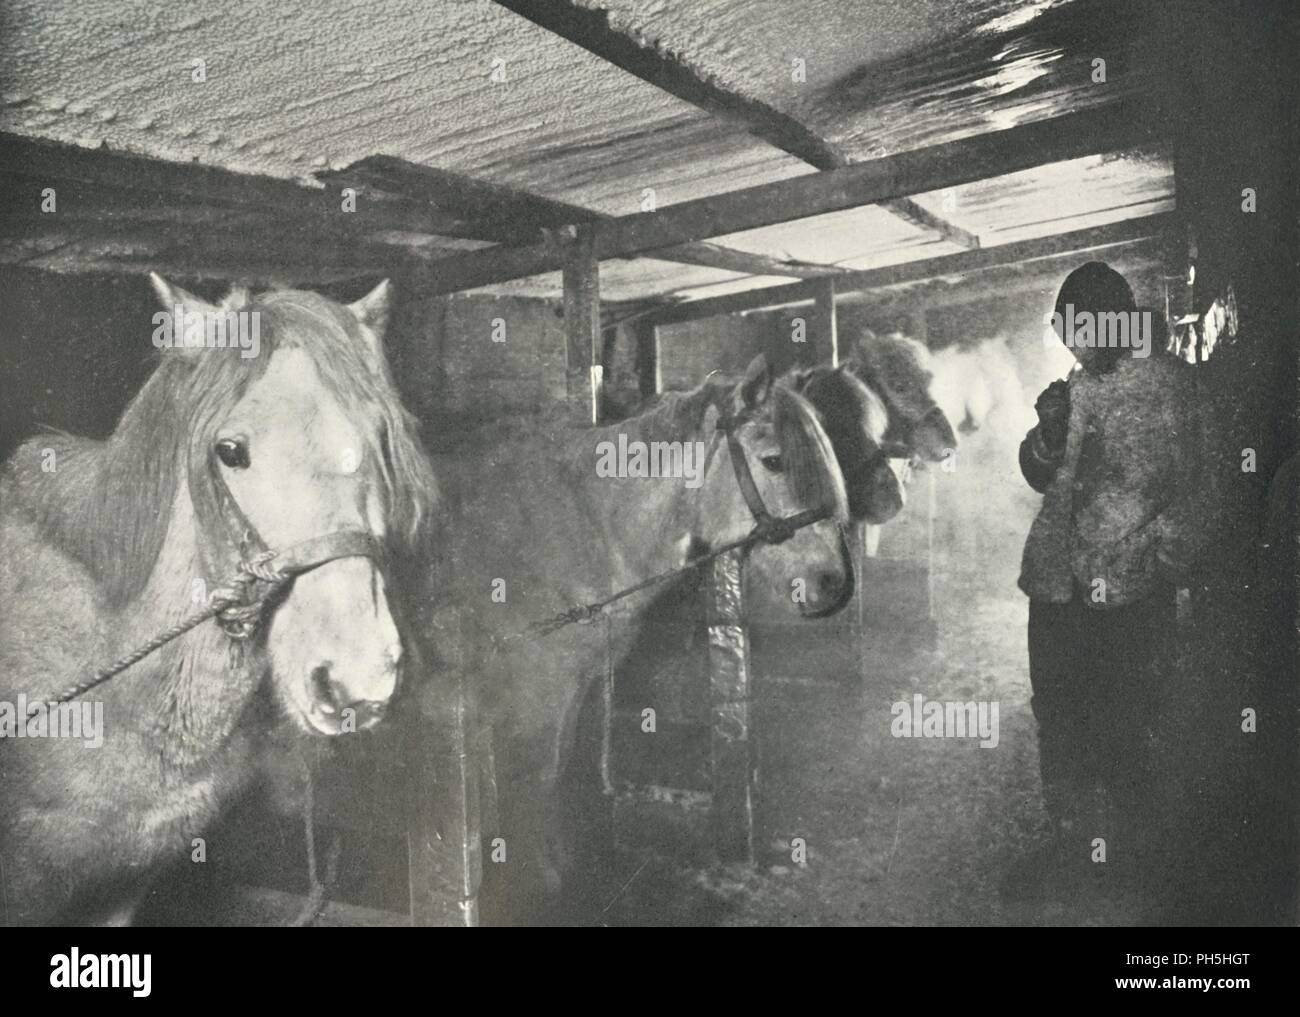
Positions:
(797, 378)
(372, 310)
(756, 385)
(236, 298)
(812, 471)
(169, 295)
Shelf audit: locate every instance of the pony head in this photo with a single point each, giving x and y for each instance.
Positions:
(307, 438)
(794, 468)
(855, 421)
(898, 370)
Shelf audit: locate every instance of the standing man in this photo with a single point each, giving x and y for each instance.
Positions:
(1115, 455)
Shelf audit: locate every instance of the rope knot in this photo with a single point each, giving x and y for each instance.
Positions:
(584, 613)
(239, 603)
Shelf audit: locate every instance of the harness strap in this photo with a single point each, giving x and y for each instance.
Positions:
(728, 425)
(260, 576)
(314, 552)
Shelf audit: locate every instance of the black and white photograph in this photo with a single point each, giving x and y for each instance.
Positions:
(650, 463)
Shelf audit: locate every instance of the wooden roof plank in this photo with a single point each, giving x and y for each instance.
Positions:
(950, 164)
(1126, 232)
(511, 213)
(590, 29)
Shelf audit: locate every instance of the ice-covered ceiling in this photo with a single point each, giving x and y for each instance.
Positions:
(289, 90)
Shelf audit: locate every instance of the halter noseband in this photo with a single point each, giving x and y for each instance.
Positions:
(258, 572)
(261, 571)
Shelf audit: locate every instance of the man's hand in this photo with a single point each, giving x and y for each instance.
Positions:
(1053, 409)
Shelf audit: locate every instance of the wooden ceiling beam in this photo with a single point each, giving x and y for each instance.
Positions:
(513, 214)
(590, 29)
(980, 157)
(1125, 233)
(39, 164)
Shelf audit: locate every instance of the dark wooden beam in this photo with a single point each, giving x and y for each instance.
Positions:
(510, 214)
(650, 381)
(917, 215)
(499, 212)
(1133, 261)
(708, 255)
(1127, 232)
(443, 742)
(582, 328)
(756, 299)
(958, 162)
(170, 184)
(119, 204)
(218, 253)
(590, 29)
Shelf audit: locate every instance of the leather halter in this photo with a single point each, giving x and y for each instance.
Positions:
(260, 569)
(772, 529)
(769, 528)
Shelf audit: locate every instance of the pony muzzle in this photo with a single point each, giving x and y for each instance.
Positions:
(335, 651)
(831, 590)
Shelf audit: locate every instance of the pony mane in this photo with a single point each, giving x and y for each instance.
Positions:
(811, 468)
(881, 361)
(848, 407)
(108, 504)
(855, 420)
(673, 416)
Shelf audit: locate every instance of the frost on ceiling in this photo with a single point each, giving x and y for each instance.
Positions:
(290, 90)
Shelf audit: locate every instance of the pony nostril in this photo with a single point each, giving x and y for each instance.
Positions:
(325, 689)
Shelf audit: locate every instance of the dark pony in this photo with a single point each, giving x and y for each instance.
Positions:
(856, 422)
(898, 370)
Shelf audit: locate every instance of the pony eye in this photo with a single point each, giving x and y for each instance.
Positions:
(233, 453)
(772, 464)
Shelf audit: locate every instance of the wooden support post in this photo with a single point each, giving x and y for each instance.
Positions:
(931, 511)
(582, 328)
(444, 839)
(730, 686)
(823, 337)
(650, 378)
